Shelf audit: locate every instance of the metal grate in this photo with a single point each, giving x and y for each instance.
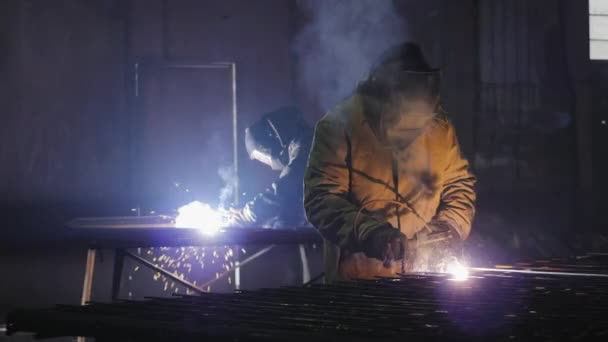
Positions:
(493, 304)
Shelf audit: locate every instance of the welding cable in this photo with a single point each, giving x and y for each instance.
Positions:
(402, 204)
(276, 132)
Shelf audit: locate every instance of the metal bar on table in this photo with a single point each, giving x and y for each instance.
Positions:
(165, 272)
(532, 272)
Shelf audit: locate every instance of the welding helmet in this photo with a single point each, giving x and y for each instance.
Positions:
(401, 95)
(267, 140)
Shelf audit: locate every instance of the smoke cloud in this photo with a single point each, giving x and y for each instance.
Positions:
(227, 175)
(341, 41)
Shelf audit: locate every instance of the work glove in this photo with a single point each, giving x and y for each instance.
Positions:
(386, 244)
(443, 233)
(243, 217)
(436, 244)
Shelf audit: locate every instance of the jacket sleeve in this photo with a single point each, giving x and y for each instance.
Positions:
(326, 189)
(457, 205)
(258, 210)
(279, 205)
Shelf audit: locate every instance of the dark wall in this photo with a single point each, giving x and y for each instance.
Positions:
(63, 114)
(255, 35)
(533, 137)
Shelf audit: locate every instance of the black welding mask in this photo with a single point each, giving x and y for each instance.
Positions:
(268, 139)
(401, 95)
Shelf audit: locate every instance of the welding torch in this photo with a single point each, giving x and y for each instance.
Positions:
(433, 235)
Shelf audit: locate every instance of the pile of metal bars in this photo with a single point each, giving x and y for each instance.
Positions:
(551, 300)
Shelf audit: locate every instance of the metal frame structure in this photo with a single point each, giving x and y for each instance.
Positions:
(120, 254)
(123, 233)
(231, 66)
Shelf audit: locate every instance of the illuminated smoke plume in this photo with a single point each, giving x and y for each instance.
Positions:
(340, 42)
(227, 175)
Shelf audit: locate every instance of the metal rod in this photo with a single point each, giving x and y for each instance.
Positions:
(164, 272)
(493, 304)
(235, 165)
(238, 265)
(430, 307)
(314, 279)
(119, 260)
(305, 268)
(237, 269)
(481, 269)
(197, 66)
(256, 255)
(87, 285)
(235, 137)
(165, 29)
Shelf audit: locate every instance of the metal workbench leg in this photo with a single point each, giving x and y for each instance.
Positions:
(237, 268)
(119, 261)
(88, 276)
(305, 268)
(88, 282)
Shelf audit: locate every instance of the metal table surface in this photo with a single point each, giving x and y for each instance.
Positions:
(157, 231)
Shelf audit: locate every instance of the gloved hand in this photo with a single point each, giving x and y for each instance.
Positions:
(434, 247)
(243, 217)
(442, 230)
(386, 244)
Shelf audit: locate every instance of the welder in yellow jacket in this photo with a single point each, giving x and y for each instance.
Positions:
(386, 167)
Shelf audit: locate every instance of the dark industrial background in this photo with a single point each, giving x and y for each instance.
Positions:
(526, 100)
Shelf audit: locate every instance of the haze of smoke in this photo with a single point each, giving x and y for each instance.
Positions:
(341, 41)
(227, 175)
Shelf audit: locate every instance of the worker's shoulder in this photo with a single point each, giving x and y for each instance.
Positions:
(442, 128)
(344, 113)
(442, 123)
